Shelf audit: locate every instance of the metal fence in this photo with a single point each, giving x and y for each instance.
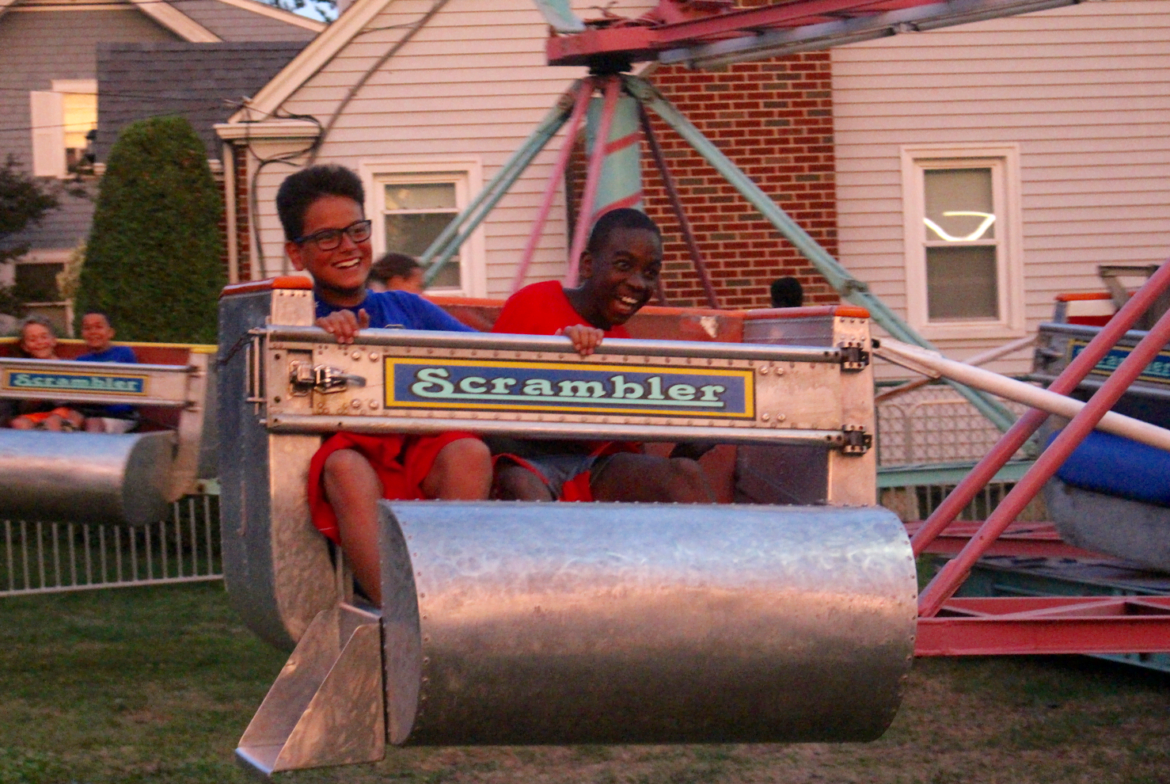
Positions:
(926, 440)
(933, 425)
(41, 557)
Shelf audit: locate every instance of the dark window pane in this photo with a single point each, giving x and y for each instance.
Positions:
(413, 234)
(38, 282)
(961, 283)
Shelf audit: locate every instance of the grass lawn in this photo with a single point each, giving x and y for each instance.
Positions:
(157, 684)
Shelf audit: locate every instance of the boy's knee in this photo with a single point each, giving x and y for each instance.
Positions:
(343, 462)
(515, 483)
(686, 482)
(465, 454)
(462, 471)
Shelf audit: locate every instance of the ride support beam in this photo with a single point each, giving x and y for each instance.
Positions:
(1031, 421)
(849, 287)
(584, 91)
(447, 244)
(952, 575)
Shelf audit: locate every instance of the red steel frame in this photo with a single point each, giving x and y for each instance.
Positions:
(947, 626)
(663, 29)
(1017, 625)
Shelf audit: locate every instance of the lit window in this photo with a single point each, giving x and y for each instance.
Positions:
(62, 121)
(963, 266)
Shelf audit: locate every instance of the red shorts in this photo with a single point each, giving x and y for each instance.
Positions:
(401, 463)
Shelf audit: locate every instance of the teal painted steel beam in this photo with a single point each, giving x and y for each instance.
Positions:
(447, 244)
(943, 474)
(849, 287)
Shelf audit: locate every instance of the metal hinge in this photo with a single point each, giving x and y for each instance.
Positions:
(855, 440)
(305, 377)
(854, 355)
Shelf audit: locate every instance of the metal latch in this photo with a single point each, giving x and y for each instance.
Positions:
(856, 441)
(854, 355)
(305, 377)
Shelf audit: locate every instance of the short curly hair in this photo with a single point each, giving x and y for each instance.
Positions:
(298, 192)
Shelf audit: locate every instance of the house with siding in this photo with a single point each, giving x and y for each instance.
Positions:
(966, 174)
(1056, 123)
(50, 99)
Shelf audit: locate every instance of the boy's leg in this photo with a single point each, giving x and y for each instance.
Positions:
(632, 477)
(516, 483)
(353, 490)
(462, 471)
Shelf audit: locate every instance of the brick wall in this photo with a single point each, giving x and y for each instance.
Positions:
(774, 120)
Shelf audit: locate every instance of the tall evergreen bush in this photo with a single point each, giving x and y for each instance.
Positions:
(153, 262)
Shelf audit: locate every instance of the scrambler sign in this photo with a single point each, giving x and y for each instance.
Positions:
(90, 383)
(573, 388)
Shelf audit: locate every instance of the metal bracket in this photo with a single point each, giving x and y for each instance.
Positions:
(856, 440)
(305, 377)
(854, 355)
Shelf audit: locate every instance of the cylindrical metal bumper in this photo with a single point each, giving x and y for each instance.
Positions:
(618, 623)
(85, 477)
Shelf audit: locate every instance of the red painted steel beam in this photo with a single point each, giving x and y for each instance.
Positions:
(639, 42)
(1025, 540)
(1046, 625)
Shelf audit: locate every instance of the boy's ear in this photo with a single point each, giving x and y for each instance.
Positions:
(294, 255)
(585, 268)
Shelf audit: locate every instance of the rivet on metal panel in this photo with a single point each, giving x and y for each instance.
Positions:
(373, 404)
(373, 356)
(276, 355)
(764, 370)
(355, 404)
(427, 660)
(766, 417)
(276, 399)
(780, 417)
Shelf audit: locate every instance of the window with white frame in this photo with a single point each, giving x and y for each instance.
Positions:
(411, 205)
(964, 271)
(62, 122)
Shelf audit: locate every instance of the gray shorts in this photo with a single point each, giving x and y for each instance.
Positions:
(555, 470)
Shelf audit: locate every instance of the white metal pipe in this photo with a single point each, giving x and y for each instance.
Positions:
(931, 363)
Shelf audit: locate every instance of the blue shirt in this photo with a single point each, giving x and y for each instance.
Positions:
(111, 354)
(399, 309)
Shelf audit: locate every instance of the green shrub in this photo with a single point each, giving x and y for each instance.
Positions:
(153, 261)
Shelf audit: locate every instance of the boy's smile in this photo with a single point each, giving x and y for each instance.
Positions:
(339, 274)
(38, 341)
(619, 279)
(96, 332)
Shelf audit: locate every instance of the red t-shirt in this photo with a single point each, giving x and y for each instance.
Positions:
(542, 309)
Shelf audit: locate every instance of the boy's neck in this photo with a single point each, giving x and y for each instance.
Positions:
(581, 301)
(340, 299)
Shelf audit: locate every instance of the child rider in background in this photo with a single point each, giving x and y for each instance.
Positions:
(98, 333)
(619, 272)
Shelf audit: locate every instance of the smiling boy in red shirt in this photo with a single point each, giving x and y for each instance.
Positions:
(619, 272)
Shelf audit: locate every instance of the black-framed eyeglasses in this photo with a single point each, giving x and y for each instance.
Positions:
(330, 239)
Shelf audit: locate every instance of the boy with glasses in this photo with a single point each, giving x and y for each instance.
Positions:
(328, 236)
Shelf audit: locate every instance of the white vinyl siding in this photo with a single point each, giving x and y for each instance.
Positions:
(47, 110)
(1080, 92)
(471, 84)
